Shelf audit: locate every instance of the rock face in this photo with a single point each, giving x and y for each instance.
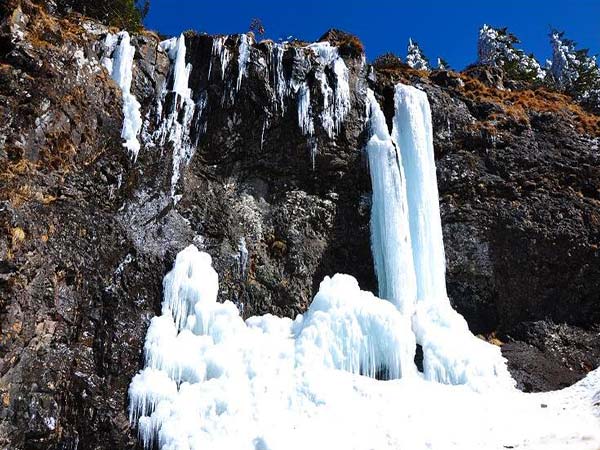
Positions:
(268, 175)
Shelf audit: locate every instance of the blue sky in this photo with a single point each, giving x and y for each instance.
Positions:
(442, 28)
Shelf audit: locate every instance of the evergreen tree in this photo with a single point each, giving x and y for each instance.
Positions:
(415, 57)
(442, 64)
(573, 70)
(497, 47)
(124, 14)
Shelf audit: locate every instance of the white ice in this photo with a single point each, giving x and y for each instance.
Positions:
(277, 384)
(336, 98)
(390, 234)
(120, 66)
(243, 59)
(175, 126)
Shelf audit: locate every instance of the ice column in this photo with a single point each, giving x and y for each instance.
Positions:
(390, 236)
(412, 132)
(406, 234)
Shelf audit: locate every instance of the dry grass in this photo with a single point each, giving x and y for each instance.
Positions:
(517, 105)
(352, 45)
(47, 31)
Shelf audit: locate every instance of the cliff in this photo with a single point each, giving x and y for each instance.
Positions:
(262, 165)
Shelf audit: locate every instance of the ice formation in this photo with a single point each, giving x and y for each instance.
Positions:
(220, 49)
(203, 362)
(390, 235)
(120, 67)
(336, 99)
(175, 125)
(243, 58)
(213, 381)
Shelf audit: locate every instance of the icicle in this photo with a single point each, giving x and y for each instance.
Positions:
(313, 153)
(243, 256)
(337, 99)
(243, 58)
(262, 134)
(279, 82)
(220, 50)
(121, 70)
(304, 110)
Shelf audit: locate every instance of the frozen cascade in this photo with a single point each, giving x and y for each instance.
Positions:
(120, 66)
(336, 99)
(390, 236)
(175, 127)
(213, 380)
(413, 135)
(451, 353)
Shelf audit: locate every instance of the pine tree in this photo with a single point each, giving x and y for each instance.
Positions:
(124, 14)
(497, 47)
(442, 64)
(415, 57)
(574, 71)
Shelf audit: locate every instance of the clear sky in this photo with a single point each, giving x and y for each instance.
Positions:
(442, 28)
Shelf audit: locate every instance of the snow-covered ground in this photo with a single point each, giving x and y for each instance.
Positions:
(217, 382)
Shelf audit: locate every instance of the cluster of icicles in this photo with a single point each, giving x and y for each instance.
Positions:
(187, 109)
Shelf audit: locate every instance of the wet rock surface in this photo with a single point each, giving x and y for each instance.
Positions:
(88, 234)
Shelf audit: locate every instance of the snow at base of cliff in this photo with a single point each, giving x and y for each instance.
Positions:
(213, 381)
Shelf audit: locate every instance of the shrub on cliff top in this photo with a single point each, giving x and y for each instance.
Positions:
(123, 14)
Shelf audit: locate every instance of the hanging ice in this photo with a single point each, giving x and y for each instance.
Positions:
(243, 58)
(413, 135)
(304, 110)
(336, 99)
(220, 49)
(176, 124)
(280, 85)
(120, 66)
(390, 236)
(451, 354)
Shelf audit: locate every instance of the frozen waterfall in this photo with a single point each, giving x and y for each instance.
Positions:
(405, 192)
(214, 381)
(390, 235)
